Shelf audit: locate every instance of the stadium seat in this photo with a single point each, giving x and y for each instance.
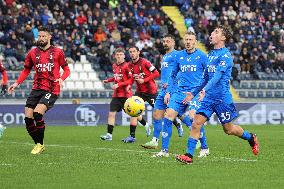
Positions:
(262, 85)
(66, 94)
(88, 67)
(75, 94)
(281, 76)
(251, 94)
(253, 85)
(79, 85)
(78, 67)
(93, 76)
(259, 94)
(84, 94)
(107, 85)
(235, 84)
(74, 76)
(89, 85)
(270, 85)
(70, 85)
(94, 94)
(71, 67)
(278, 94)
(279, 85)
(96, 66)
(84, 76)
(18, 94)
(98, 85)
(268, 94)
(242, 94)
(244, 85)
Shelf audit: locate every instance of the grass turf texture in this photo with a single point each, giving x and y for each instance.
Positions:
(76, 158)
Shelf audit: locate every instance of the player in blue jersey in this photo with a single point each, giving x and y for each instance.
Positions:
(189, 65)
(218, 98)
(160, 106)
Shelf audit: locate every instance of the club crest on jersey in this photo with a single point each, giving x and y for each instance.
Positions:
(222, 63)
(189, 68)
(45, 67)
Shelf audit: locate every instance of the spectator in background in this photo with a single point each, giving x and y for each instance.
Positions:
(99, 35)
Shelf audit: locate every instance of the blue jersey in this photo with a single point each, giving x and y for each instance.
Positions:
(218, 74)
(166, 67)
(189, 68)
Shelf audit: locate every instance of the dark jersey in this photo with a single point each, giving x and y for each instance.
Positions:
(143, 69)
(46, 64)
(122, 77)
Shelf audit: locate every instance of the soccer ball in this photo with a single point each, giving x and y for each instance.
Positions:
(134, 106)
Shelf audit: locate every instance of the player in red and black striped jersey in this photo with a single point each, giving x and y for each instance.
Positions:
(46, 60)
(4, 79)
(144, 74)
(122, 90)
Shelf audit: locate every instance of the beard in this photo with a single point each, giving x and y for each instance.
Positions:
(166, 48)
(42, 43)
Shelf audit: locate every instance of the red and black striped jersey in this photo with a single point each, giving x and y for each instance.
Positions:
(144, 69)
(3, 73)
(123, 77)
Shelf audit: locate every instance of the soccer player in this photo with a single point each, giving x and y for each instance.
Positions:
(4, 79)
(189, 66)
(46, 61)
(122, 91)
(218, 98)
(144, 74)
(160, 106)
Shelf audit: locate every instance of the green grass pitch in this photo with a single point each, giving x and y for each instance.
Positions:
(76, 158)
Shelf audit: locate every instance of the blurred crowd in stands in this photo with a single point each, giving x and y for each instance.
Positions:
(96, 27)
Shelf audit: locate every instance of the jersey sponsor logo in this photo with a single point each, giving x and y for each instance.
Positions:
(85, 115)
(44, 67)
(118, 76)
(139, 76)
(164, 65)
(189, 68)
(198, 57)
(211, 68)
(211, 58)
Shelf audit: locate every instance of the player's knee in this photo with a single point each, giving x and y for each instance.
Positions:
(170, 114)
(111, 114)
(37, 116)
(228, 131)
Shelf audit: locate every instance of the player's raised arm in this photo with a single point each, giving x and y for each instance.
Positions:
(24, 74)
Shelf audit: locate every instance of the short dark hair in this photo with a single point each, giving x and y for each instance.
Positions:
(44, 28)
(134, 47)
(169, 35)
(119, 50)
(226, 32)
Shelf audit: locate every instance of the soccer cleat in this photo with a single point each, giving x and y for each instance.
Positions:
(148, 129)
(180, 130)
(254, 144)
(153, 144)
(204, 153)
(107, 136)
(38, 148)
(184, 159)
(162, 153)
(129, 139)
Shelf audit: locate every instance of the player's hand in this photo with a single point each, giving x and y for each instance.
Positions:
(188, 97)
(167, 98)
(115, 86)
(12, 88)
(140, 81)
(60, 81)
(105, 81)
(165, 85)
(201, 95)
(4, 89)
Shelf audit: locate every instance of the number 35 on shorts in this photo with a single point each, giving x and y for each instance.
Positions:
(225, 116)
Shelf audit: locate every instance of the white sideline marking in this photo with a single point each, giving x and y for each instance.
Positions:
(6, 164)
(127, 150)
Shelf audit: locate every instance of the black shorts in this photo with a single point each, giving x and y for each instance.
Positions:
(117, 104)
(41, 97)
(150, 98)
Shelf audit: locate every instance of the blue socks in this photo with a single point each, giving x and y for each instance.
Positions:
(246, 136)
(187, 121)
(191, 145)
(167, 133)
(158, 125)
(202, 138)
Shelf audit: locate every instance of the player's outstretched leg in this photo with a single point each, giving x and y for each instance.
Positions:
(204, 151)
(131, 138)
(231, 129)
(40, 125)
(108, 136)
(31, 128)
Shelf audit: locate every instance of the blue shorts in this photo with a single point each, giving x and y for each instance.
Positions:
(225, 112)
(159, 103)
(176, 103)
(194, 104)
